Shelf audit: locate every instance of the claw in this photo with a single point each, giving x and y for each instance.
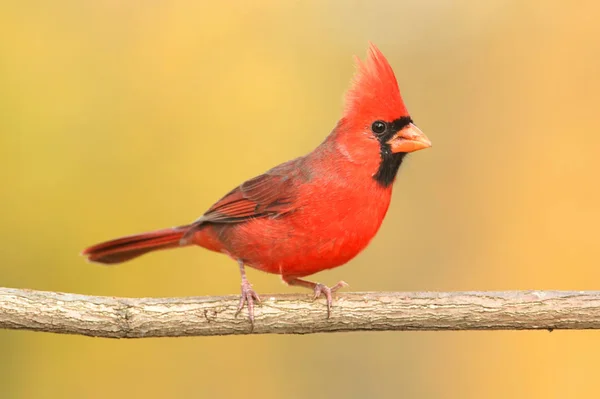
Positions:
(248, 297)
(318, 288)
(322, 289)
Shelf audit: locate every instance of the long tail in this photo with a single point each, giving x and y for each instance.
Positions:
(127, 248)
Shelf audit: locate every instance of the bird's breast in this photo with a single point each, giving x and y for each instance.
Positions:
(329, 225)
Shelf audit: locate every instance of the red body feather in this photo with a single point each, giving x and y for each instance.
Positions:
(315, 212)
(327, 220)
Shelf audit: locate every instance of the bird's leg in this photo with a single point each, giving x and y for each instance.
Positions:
(318, 288)
(248, 294)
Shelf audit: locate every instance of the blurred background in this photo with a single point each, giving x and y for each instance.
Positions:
(119, 117)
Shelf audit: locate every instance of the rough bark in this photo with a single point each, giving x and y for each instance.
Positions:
(296, 314)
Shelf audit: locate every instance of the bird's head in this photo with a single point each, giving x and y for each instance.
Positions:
(376, 128)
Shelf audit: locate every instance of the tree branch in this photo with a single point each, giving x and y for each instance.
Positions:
(295, 314)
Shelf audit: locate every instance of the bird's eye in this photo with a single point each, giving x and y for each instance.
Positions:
(378, 127)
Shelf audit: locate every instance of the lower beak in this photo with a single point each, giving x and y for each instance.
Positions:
(409, 139)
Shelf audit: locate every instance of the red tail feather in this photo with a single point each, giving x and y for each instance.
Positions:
(126, 248)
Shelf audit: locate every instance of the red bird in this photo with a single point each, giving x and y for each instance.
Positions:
(312, 213)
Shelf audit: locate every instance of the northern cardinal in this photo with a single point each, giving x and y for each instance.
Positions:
(312, 213)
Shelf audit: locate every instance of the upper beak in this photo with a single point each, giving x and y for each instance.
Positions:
(409, 139)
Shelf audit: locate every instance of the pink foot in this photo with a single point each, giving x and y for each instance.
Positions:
(321, 289)
(248, 297)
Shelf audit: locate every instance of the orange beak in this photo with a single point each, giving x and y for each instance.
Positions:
(409, 139)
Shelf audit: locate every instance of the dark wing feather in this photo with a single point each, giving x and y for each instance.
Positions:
(270, 194)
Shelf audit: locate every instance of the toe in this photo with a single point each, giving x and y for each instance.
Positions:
(340, 284)
(241, 304)
(320, 289)
(329, 302)
(255, 296)
(250, 302)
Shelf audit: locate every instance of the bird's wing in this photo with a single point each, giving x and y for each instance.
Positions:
(268, 195)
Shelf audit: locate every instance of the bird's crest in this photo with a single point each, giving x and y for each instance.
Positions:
(374, 92)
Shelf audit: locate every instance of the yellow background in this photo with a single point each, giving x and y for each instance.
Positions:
(119, 117)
